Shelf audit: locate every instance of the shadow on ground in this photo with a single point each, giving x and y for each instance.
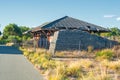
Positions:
(9, 50)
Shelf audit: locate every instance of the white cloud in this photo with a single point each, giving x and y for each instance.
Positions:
(109, 16)
(118, 18)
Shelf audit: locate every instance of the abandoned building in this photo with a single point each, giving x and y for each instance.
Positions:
(68, 33)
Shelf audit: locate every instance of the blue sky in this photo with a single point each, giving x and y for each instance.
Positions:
(33, 13)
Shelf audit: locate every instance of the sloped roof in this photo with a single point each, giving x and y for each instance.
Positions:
(70, 23)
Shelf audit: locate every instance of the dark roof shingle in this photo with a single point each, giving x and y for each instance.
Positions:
(71, 23)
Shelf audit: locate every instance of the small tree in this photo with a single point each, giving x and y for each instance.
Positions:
(115, 32)
(0, 33)
(11, 30)
(27, 35)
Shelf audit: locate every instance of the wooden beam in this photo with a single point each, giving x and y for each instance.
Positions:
(44, 33)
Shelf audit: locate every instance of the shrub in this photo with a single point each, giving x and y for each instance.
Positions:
(42, 60)
(74, 69)
(28, 54)
(90, 49)
(35, 58)
(104, 54)
(48, 64)
(60, 70)
(114, 65)
(88, 64)
(92, 75)
(52, 64)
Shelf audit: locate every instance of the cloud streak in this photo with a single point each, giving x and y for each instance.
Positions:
(114, 17)
(109, 16)
(118, 18)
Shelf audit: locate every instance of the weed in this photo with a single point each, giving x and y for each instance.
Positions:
(104, 54)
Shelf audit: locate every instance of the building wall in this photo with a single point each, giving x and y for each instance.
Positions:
(78, 40)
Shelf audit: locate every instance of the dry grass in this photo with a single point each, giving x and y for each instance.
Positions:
(75, 54)
(84, 67)
(116, 50)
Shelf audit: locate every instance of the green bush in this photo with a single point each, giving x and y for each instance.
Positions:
(3, 41)
(104, 54)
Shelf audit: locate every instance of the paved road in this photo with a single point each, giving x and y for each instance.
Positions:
(14, 66)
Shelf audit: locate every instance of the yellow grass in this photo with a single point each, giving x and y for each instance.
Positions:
(82, 68)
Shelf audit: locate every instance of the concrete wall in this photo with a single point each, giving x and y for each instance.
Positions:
(78, 40)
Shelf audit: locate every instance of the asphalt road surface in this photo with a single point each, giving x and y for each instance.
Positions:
(14, 66)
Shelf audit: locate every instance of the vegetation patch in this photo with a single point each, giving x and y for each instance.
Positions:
(76, 69)
(105, 54)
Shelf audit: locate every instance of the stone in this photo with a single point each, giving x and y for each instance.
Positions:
(65, 40)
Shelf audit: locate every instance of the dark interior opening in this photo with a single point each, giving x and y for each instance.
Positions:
(88, 27)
